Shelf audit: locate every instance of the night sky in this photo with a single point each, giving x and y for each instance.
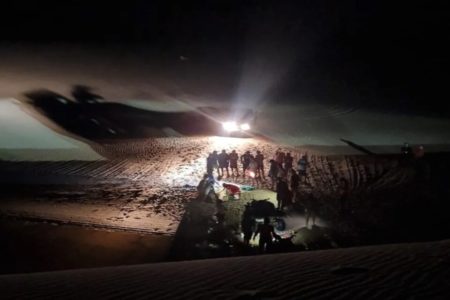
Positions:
(364, 53)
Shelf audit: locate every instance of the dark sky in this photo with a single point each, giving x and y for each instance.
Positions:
(364, 50)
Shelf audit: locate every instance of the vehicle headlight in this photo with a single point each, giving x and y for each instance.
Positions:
(245, 126)
(230, 126)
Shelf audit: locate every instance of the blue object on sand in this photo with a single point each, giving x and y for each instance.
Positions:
(247, 188)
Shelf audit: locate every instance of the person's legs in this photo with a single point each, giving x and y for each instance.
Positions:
(269, 247)
(261, 245)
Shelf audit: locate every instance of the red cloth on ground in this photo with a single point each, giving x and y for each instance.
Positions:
(232, 189)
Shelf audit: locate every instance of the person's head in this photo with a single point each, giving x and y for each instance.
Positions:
(258, 152)
(223, 151)
(288, 154)
(214, 152)
(247, 152)
(205, 176)
(234, 151)
(266, 220)
(271, 161)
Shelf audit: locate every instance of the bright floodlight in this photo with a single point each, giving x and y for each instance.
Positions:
(230, 126)
(245, 126)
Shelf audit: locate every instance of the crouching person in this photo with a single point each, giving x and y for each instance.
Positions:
(205, 187)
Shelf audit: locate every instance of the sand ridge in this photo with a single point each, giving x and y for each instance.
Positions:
(398, 271)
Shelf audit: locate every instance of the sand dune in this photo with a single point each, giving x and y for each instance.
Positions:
(401, 271)
(163, 170)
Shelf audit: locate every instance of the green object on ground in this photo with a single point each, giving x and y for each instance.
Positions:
(247, 188)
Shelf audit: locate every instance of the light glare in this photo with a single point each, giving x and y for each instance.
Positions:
(230, 126)
(245, 127)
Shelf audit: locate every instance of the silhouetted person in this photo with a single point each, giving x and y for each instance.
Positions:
(83, 94)
(247, 224)
(245, 160)
(252, 170)
(204, 187)
(294, 184)
(283, 194)
(281, 172)
(266, 235)
(310, 203)
(223, 163)
(234, 157)
(302, 165)
(209, 164)
(215, 161)
(279, 156)
(260, 164)
(273, 172)
(288, 160)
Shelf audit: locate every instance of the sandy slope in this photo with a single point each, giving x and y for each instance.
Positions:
(140, 173)
(401, 271)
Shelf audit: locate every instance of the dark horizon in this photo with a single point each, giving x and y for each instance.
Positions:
(356, 54)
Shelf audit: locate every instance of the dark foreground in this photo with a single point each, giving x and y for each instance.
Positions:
(35, 247)
(398, 271)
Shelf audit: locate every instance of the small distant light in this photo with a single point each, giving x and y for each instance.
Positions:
(252, 174)
(230, 126)
(245, 126)
(62, 100)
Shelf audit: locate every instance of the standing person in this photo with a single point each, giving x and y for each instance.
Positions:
(295, 184)
(209, 164)
(279, 156)
(273, 172)
(301, 166)
(281, 172)
(266, 235)
(282, 194)
(252, 170)
(260, 164)
(234, 157)
(310, 203)
(288, 160)
(215, 161)
(245, 160)
(224, 161)
(247, 224)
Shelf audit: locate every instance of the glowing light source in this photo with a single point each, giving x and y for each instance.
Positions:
(230, 126)
(245, 126)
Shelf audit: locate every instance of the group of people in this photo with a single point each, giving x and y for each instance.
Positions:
(285, 179)
(252, 165)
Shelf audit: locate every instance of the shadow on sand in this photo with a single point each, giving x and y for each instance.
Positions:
(90, 118)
